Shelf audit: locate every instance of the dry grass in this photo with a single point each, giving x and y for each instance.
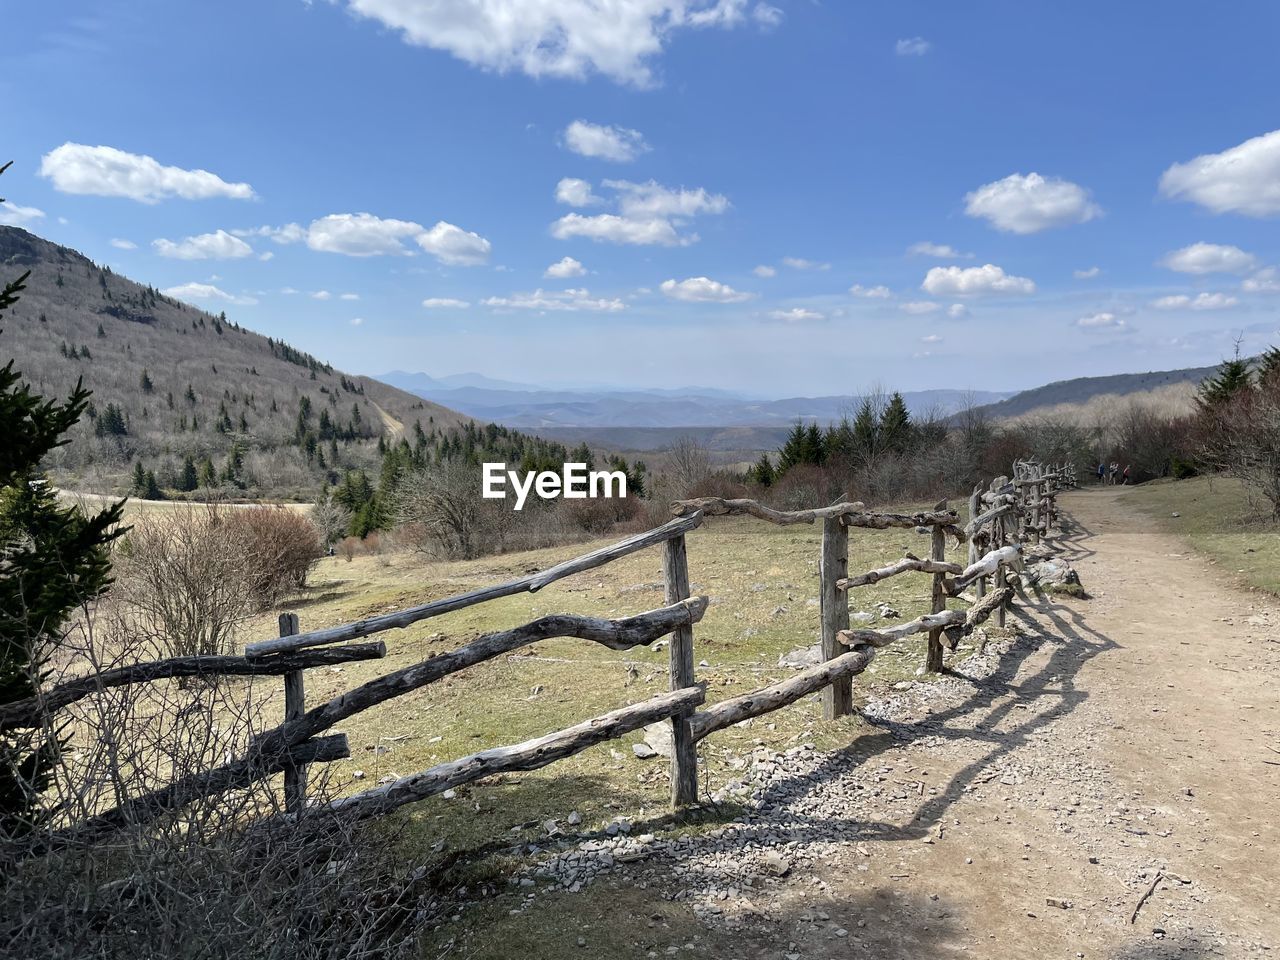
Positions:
(1219, 519)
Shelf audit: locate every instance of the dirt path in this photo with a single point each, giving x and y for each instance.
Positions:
(1022, 807)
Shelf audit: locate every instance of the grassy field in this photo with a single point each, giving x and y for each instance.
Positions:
(764, 588)
(1217, 517)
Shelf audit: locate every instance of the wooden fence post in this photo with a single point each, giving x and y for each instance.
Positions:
(933, 660)
(684, 750)
(295, 699)
(1035, 505)
(837, 699)
(1006, 529)
(975, 507)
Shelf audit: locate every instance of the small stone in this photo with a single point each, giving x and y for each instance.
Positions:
(776, 863)
(449, 794)
(573, 819)
(643, 751)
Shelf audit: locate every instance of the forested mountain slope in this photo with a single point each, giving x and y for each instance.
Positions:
(177, 389)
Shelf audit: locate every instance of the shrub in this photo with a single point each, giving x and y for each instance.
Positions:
(196, 573)
(280, 545)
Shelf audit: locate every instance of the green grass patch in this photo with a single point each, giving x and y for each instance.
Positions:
(1218, 518)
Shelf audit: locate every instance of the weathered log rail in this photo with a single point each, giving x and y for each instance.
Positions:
(1001, 517)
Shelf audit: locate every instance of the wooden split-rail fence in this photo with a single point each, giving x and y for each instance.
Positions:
(1004, 515)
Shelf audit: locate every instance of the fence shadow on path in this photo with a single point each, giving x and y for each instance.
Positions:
(1046, 695)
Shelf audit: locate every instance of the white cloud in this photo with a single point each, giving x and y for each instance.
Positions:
(913, 47)
(554, 38)
(1265, 280)
(206, 291)
(880, 292)
(615, 229)
(931, 338)
(957, 311)
(288, 291)
(564, 268)
(108, 172)
(322, 295)
(766, 15)
(267, 255)
(437, 303)
(289, 233)
(799, 263)
(1203, 301)
(619, 144)
(570, 299)
(1244, 179)
(576, 193)
(219, 245)
(796, 315)
(941, 251)
(364, 235)
(764, 270)
(703, 290)
(649, 213)
(360, 234)
(121, 244)
(920, 307)
(12, 215)
(1086, 274)
(454, 246)
(652, 199)
(1100, 321)
(973, 281)
(357, 321)
(1203, 258)
(349, 296)
(1031, 203)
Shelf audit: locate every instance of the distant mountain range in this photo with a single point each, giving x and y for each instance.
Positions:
(532, 407)
(733, 425)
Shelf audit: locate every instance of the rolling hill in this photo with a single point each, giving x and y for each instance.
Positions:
(173, 383)
(1080, 391)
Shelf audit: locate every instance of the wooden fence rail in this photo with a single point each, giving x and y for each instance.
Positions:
(1007, 513)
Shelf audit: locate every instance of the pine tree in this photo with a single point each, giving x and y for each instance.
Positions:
(793, 449)
(1231, 377)
(54, 559)
(188, 479)
(896, 430)
(762, 472)
(866, 430)
(1268, 372)
(145, 383)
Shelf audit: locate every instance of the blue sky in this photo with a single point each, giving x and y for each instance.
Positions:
(783, 198)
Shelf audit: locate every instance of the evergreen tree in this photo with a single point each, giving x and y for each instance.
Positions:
(1269, 367)
(52, 560)
(145, 383)
(815, 448)
(896, 430)
(866, 430)
(208, 475)
(793, 449)
(1231, 377)
(762, 472)
(188, 479)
